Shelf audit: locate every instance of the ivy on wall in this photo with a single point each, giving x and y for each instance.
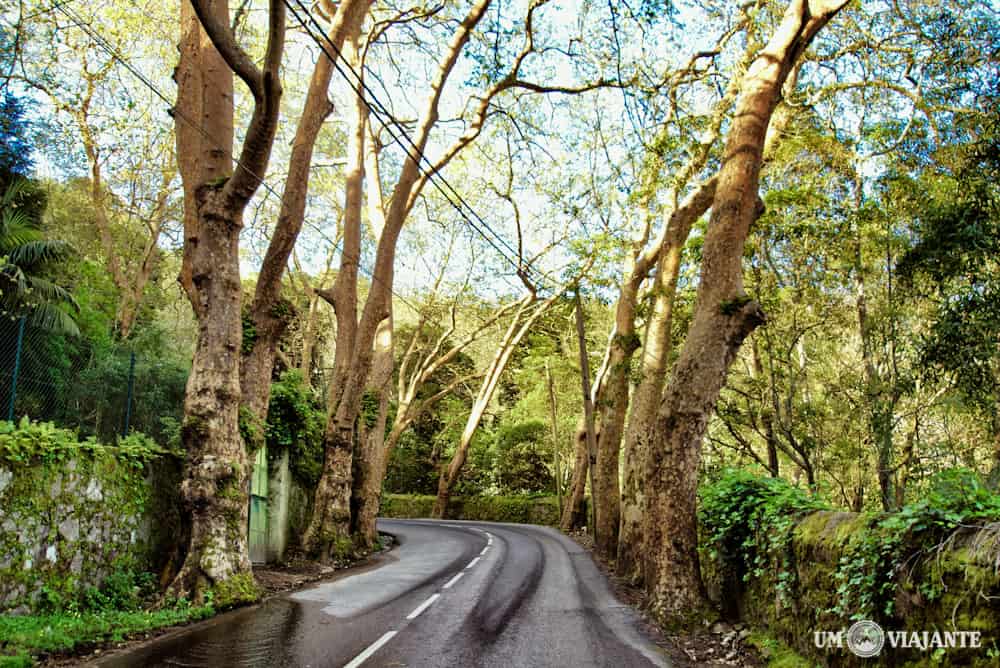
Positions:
(72, 512)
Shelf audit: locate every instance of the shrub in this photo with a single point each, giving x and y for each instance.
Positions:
(868, 572)
(295, 422)
(748, 520)
(518, 509)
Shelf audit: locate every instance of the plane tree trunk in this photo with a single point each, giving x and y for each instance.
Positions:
(269, 314)
(331, 522)
(215, 482)
(724, 316)
(647, 395)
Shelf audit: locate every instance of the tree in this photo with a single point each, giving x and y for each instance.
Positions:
(25, 258)
(215, 484)
(723, 318)
(269, 313)
(16, 148)
(356, 324)
(957, 225)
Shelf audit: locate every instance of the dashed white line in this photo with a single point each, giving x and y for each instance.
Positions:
(374, 647)
(423, 606)
(388, 635)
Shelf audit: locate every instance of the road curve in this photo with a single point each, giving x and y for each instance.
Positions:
(452, 594)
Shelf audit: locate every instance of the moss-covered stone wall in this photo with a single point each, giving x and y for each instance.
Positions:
(73, 512)
(799, 589)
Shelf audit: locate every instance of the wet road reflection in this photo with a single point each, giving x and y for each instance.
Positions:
(265, 636)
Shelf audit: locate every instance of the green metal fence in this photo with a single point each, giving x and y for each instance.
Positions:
(101, 389)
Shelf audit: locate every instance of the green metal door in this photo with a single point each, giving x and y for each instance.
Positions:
(258, 508)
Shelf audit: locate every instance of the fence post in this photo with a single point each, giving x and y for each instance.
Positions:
(17, 369)
(128, 400)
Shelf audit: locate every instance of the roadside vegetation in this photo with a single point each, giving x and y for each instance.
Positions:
(705, 280)
(119, 610)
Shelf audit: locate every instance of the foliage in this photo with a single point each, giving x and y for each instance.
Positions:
(24, 637)
(80, 504)
(518, 509)
(750, 524)
(521, 460)
(30, 443)
(956, 212)
(748, 521)
(15, 141)
(26, 258)
(868, 573)
(295, 422)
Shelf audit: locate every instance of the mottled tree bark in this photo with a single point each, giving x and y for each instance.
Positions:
(724, 316)
(331, 515)
(574, 512)
(269, 313)
(215, 484)
(371, 457)
(655, 357)
(331, 520)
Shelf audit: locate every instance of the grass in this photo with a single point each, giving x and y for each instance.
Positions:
(777, 654)
(23, 638)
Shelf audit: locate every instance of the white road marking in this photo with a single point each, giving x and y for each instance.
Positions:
(374, 647)
(484, 550)
(423, 606)
(453, 581)
(473, 563)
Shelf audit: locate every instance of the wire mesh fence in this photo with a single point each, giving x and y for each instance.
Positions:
(100, 389)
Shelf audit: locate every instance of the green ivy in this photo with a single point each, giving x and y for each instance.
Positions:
(51, 469)
(295, 422)
(749, 521)
(867, 574)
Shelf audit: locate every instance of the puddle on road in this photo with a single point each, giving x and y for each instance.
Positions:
(257, 637)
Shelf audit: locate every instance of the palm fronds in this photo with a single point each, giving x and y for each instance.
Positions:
(25, 254)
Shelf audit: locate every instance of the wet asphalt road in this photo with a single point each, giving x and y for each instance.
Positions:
(451, 594)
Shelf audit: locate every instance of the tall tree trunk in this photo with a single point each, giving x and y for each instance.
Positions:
(574, 512)
(371, 457)
(769, 407)
(524, 318)
(880, 408)
(612, 410)
(556, 468)
(590, 428)
(655, 357)
(724, 316)
(331, 519)
(269, 313)
(215, 483)
(331, 515)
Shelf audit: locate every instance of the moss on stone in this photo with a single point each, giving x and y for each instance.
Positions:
(239, 589)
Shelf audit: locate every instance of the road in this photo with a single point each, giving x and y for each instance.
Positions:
(451, 594)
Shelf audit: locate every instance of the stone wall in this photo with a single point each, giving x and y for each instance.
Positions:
(953, 586)
(71, 516)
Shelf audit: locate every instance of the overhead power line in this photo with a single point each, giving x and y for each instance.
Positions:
(377, 108)
(110, 50)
